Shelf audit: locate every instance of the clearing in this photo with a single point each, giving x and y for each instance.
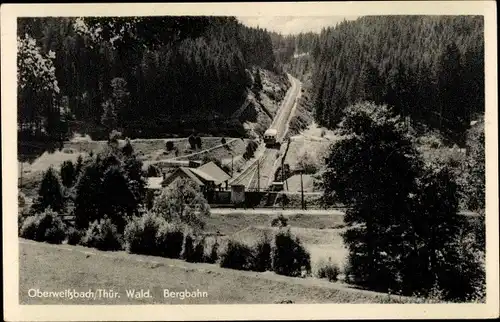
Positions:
(309, 147)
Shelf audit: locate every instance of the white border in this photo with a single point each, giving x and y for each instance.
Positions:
(15, 312)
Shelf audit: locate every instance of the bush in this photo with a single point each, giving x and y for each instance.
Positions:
(199, 252)
(213, 256)
(433, 140)
(250, 150)
(183, 202)
(307, 162)
(21, 200)
(153, 171)
(279, 221)
(46, 227)
(169, 145)
(102, 235)
(152, 235)
(282, 174)
(21, 217)
(262, 255)
(329, 271)
(188, 248)
(290, 258)
(140, 234)
(192, 142)
(74, 236)
(29, 228)
(237, 256)
(114, 136)
(198, 142)
(169, 240)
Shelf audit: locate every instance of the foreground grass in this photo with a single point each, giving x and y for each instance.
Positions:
(60, 267)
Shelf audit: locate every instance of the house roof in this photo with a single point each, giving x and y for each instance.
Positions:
(202, 175)
(154, 182)
(214, 171)
(208, 172)
(191, 175)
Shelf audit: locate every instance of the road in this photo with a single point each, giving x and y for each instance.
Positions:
(273, 212)
(260, 173)
(312, 212)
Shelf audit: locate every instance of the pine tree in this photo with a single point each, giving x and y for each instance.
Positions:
(89, 197)
(68, 173)
(127, 149)
(453, 116)
(120, 202)
(109, 116)
(49, 193)
(78, 167)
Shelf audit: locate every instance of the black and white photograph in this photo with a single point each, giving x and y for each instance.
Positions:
(235, 157)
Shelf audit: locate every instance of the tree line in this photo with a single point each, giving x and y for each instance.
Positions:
(145, 76)
(427, 68)
(430, 69)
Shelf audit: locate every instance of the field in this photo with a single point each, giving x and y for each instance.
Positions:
(319, 233)
(149, 150)
(55, 267)
(314, 142)
(293, 183)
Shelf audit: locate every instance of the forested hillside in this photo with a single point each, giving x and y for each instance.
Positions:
(430, 69)
(295, 53)
(147, 76)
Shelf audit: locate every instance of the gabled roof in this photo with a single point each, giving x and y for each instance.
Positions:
(214, 171)
(202, 174)
(191, 175)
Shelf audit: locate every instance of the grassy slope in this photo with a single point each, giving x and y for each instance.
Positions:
(56, 268)
(231, 223)
(319, 233)
(148, 150)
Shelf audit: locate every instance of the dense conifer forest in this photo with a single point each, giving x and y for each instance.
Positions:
(427, 68)
(154, 76)
(147, 76)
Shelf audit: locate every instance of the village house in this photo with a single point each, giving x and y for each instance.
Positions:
(209, 178)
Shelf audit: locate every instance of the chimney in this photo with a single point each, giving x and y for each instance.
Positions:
(163, 174)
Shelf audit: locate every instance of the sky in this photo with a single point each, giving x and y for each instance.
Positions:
(293, 25)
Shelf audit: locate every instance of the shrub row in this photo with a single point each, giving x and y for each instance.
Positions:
(48, 227)
(287, 256)
(153, 235)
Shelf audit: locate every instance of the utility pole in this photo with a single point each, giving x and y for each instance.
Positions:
(282, 181)
(258, 175)
(302, 190)
(282, 171)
